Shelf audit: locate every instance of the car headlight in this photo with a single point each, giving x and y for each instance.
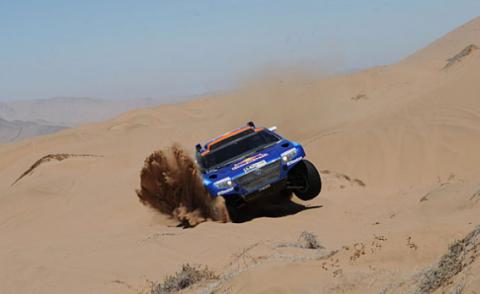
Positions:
(289, 155)
(224, 183)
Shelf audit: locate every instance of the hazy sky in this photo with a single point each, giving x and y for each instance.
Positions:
(129, 49)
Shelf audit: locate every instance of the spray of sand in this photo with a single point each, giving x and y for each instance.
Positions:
(171, 184)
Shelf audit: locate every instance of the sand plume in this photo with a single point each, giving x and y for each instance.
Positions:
(171, 183)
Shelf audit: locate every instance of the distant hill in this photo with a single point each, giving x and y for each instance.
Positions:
(70, 111)
(28, 118)
(15, 130)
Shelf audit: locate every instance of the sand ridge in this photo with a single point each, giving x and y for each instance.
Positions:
(50, 157)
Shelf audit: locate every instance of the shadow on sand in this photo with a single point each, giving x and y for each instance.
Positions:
(273, 209)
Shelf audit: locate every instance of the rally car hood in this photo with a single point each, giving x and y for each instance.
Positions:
(251, 161)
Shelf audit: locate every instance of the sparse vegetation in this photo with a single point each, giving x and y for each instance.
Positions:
(359, 97)
(460, 254)
(359, 182)
(462, 54)
(306, 240)
(309, 241)
(476, 196)
(186, 277)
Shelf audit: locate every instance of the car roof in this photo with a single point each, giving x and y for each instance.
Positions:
(227, 138)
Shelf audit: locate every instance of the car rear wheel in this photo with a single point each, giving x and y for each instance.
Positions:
(306, 179)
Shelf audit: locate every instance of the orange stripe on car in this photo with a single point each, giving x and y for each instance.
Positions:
(228, 135)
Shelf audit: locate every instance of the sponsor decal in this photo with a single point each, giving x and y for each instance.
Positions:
(249, 160)
(225, 191)
(255, 166)
(294, 161)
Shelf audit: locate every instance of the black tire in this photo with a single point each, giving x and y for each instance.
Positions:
(233, 209)
(310, 178)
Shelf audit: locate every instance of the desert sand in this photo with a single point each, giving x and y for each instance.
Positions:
(398, 150)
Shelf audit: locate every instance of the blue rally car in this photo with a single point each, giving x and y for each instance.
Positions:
(251, 163)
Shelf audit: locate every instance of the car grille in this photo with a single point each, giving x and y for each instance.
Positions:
(260, 177)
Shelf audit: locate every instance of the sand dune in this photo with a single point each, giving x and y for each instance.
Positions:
(398, 147)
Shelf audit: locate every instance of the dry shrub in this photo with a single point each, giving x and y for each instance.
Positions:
(185, 278)
(309, 241)
(461, 55)
(171, 184)
(460, 255)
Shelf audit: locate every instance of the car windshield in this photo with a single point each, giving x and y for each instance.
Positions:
(237, 149)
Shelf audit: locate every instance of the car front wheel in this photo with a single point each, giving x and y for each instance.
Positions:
(306, 179)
